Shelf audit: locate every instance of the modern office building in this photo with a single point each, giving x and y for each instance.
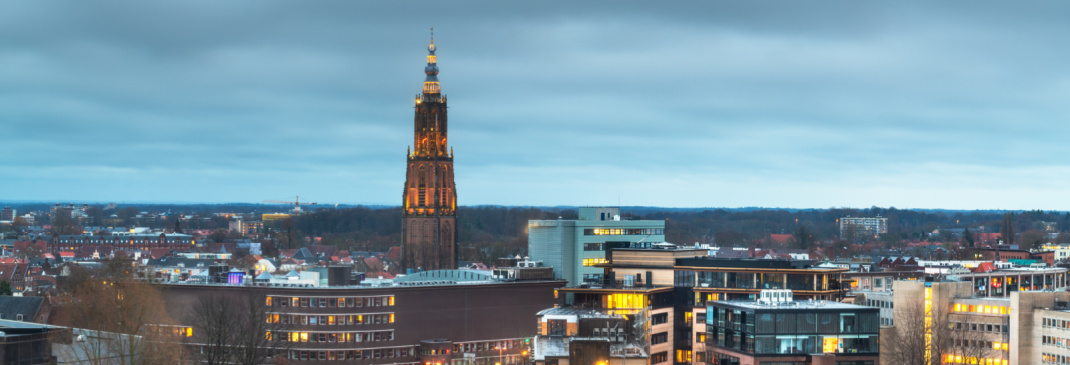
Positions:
(574, 248)
(669, 288)
(442, 317)
(966, 327)
(7, 215)
(863, 227)
(775, 329)
(1003, 282)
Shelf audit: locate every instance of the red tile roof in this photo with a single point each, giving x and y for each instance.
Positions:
(782, 239)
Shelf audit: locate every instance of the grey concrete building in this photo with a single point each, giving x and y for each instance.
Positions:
(574, 247)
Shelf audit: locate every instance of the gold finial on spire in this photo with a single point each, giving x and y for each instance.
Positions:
(431, 83)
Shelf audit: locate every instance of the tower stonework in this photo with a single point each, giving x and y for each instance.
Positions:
(429, 200)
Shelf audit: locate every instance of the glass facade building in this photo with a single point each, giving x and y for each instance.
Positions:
(752, 329)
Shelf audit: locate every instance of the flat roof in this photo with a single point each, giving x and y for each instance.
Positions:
(578, 312)
(634, 289)
(386, 284)
(714, 262)
(793, 305)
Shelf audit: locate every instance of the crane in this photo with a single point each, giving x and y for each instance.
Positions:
(296, 203)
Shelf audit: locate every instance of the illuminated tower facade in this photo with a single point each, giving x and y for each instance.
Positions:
(429, 230)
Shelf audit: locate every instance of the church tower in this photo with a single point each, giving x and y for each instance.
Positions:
(429, 228)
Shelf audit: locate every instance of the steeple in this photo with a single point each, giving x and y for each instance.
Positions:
(431, 83)
(429, 197)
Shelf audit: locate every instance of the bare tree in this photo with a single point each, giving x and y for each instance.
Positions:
(258, 331)
(906, 342)
(927, 336)
(127, 320)
(235, 329)
(966, 341)
(214, 318)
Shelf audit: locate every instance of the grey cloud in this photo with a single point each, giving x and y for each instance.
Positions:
(674, 103)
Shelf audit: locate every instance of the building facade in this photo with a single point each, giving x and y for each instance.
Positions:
(666, 289)
(442, 322)
(791, 332)
(7, 215)
(961, 326)
(863, 227)
(429, 198)
(574, 248)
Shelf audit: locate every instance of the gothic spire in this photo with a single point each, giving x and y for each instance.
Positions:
(431, 83)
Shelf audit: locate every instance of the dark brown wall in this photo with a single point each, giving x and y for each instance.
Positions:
(459, 313)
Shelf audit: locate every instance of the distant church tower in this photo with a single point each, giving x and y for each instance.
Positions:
(429, 230)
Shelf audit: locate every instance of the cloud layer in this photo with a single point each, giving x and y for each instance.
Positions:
(787, 104)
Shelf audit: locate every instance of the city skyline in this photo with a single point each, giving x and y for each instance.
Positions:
(816, 105)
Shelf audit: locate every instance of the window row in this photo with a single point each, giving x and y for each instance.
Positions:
(981, 344)
(1055, 359)
(622, 231)
(746, 280)
(1056, 341)
(351, 354)
(333, 336)
(794, 344)
(792, 323)
(880, 303)
(162, 329)
(471, 347)
(980, 309)
(594, 261)
(1056, 323)
(958, 359)
(980, 327)
(342, 302)
(331, 320)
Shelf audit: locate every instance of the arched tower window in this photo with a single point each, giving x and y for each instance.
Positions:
(422, 187)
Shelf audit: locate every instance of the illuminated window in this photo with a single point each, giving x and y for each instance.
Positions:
(391, 302)
(594, 261)
(623, 300)
(830, 344)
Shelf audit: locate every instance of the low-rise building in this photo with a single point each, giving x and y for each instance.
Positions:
(437, 318)
(575, 247)
(775, 329)
(604, 338)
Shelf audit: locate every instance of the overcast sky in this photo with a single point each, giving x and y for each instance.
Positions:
(800, 104)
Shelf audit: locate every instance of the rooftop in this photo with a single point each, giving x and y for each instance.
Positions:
(372, 283)
(713, 262)
(578, 312)
(556, 346)
(793, 305)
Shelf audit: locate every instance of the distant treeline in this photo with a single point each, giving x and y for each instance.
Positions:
(490, 232)
(495, 231)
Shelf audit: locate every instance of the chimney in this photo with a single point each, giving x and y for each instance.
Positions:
(649, 279)
(750, 253)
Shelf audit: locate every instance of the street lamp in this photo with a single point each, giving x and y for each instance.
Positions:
(499, 355)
